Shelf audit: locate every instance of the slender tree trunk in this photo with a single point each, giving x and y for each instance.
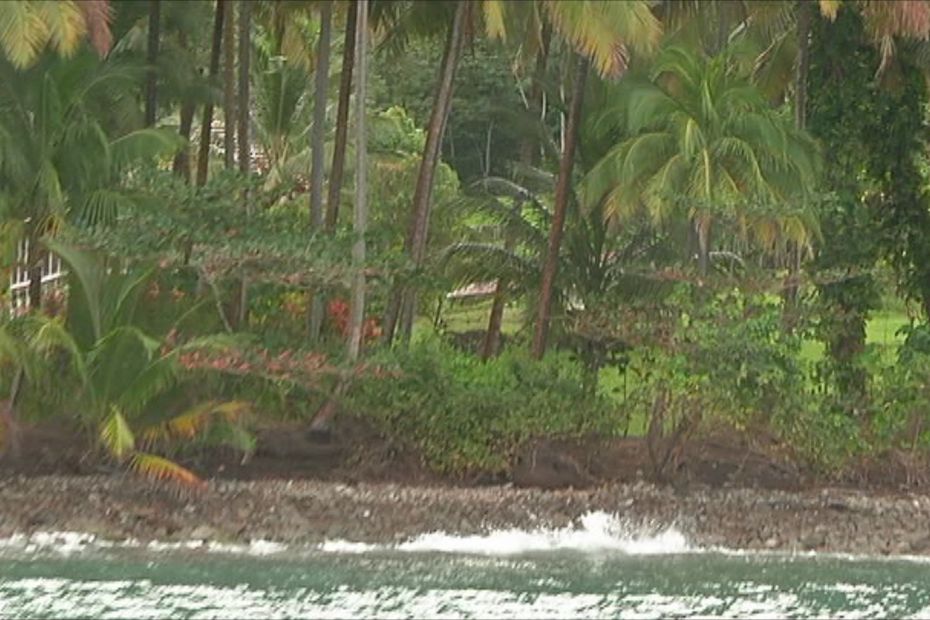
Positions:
(243, 142)
(360, 216)
(318, 135)
(702, 231)
(206, 125)
(229, 85)
(562, 192)
(151, 57)
(36, 256)
(792, 286)
(242, 105)
(529, 152)
(403, 300)
(182, 160)
(805, 10)
(491, 345)
(317, 150)
(342, 121)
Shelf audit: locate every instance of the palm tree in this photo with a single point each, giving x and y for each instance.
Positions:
(360, 220)
(562, 189)
(588, 26)
(122, 368)
(597, 270)
(700, 139)
(59, 163)
(597, 29)
(402, 305)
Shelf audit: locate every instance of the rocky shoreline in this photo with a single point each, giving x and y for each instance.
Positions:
(309, 512)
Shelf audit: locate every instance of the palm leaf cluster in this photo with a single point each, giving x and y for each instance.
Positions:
(697, 139)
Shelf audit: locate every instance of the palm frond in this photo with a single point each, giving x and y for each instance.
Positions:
(116, 435)
(22, 32)
(603, 31)
(470, 262)
(160, 469)
(145, 144)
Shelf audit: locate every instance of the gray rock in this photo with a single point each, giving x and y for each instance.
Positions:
(203, 532)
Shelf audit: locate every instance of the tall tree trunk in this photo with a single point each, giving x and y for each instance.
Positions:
(792, 286)
(403, 300)
(805, 14)
(229, 85)
(243, 103)
(318, 135)
(317, 151)
(151, 57)
(360, 216)
(36, 256)
(342, 121)
(182, 160)
(206, 125)
(529, 152)
(702, 232)
(562, 192)
(243, 142)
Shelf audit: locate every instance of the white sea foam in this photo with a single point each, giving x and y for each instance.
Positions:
(346, 546)
(595, 532)
(598, 531)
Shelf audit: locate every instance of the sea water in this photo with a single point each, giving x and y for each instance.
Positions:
(597, 569)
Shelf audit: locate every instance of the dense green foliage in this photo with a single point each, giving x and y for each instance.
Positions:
(744, 198)
(465, 414)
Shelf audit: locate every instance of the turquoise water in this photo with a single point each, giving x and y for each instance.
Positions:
(438, 577)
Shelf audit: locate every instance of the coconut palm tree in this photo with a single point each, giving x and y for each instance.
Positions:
(700, 140)
(587, 25)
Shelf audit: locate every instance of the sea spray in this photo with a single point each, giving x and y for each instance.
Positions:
(598, 531)
(593, 532)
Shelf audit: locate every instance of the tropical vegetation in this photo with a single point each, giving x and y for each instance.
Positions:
(472, 224)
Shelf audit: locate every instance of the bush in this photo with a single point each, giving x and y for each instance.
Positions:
(466, 415)
(902, 419)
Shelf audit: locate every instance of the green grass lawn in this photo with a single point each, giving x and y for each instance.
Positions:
(881, 330)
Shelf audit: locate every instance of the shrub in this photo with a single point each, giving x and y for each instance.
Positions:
(465, 414)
